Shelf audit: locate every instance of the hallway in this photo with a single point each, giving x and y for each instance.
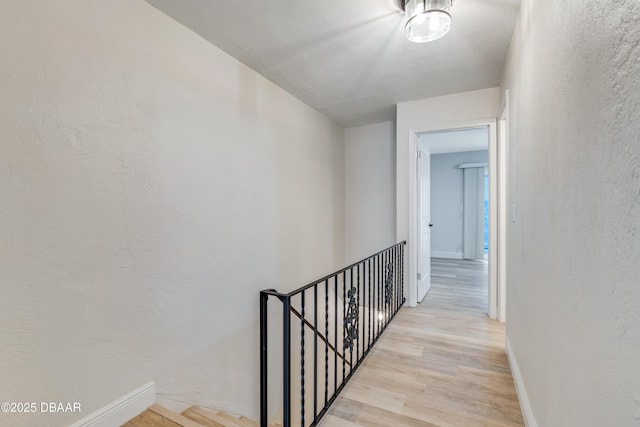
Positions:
(439, 364)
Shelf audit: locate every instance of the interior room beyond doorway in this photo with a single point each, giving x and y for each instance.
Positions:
(459, 192)
(452, 198)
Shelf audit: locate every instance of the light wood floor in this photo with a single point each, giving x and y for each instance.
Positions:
(195, 416)
(440, 364)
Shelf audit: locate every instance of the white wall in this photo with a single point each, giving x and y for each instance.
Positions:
(370, 190)
(445, 112)
(150, 186)
(446, 201)
(573, 272)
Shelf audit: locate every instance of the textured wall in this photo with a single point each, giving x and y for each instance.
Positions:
(370, 191)
(574, 249)
(150, 186)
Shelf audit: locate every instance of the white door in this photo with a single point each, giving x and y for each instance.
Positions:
(424, 223)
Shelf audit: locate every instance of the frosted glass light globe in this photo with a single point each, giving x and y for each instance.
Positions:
(428, 20)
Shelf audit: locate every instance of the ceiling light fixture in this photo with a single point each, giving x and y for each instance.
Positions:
(427, 20)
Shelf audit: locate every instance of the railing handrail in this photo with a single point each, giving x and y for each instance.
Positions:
(279, 295)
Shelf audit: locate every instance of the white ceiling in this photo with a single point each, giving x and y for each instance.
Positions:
(350, 59)
(455, 141)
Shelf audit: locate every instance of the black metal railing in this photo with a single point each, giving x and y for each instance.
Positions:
(354, 305)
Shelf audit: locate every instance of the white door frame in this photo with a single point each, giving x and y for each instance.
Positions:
(503, 201)
(424, 282)
(412, 255)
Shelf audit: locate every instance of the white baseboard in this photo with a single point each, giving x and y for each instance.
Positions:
(122, 410)
(448, 255)
(525, 405)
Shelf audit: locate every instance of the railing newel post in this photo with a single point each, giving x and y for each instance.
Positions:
(286, 361)
(264, 297)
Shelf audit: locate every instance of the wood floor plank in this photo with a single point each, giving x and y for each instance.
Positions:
(334, 421)
(150, 419)
(204, 421)
(249, 422)
(223, 419)
(440, 364)
(172, 416)
(228, 416)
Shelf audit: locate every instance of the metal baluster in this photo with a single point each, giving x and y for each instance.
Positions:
(382, 299)
(358, 298)
(379, 307)
(335, 319)
(380, 295)
(402, 271)
(372, 298)
(315, 354)
(363, 304)
(392, 307)
(264, 365)
(384, 294)
(326, 342)
(386, 304)
(399, 276)
(286, 361)
(377, 285)
(302, 391)
(390, 262)
(351, 346)
(394, 263)
(344, 313)
(369, 305)
(362, 290)
(390, 282)
(361, 312)
(391, 272)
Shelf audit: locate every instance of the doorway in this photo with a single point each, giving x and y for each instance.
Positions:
(453, 216)
(413, 222)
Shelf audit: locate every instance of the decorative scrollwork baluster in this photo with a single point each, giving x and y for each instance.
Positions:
(351, 320)
(388, 285)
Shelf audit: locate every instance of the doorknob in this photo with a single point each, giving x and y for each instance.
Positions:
(430, 225)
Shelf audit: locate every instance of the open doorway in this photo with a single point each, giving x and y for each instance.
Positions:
(411, 124)
(452, 199)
